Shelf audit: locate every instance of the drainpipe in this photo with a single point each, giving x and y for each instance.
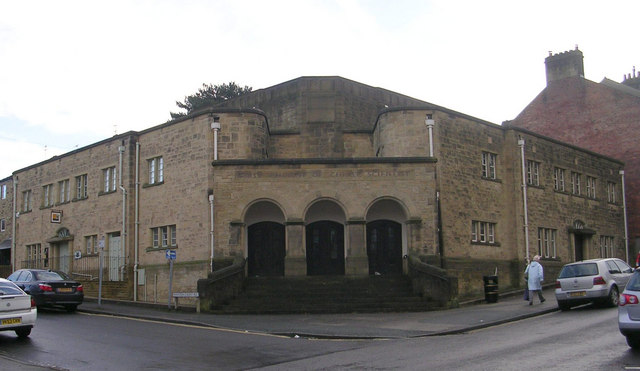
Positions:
(524, 199)
(15, 220)
(136, 225)
(215, 125)
(430, 122)
(624, 209)
(211, 231)
(124, 203)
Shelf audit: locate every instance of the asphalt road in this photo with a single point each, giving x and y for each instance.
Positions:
(586, 338)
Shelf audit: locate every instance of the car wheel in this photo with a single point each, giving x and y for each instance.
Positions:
(613, 297)
(633, 341)
(71, 308)
(24, 332)
(564, 306)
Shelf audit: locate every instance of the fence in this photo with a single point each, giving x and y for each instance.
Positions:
(85, 268)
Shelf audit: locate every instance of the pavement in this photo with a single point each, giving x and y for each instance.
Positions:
(471, 315)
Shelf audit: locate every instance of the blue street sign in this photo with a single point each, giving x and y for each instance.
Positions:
(171, 254)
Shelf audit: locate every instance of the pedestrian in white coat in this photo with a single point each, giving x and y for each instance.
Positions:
(535, 275)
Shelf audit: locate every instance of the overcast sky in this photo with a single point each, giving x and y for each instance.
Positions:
(76, 72)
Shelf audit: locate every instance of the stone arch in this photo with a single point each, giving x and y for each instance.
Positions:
(266, 239)
(325, 238)
(385, 236)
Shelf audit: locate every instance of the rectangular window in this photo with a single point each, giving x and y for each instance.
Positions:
(606, 246)
(81, 187)
(575, 183)
(533, 175)
(156, 170)
(611, 192)
(34, 256)
(488, 165)
(591, 187)
(109, 179)
(26, 201)
(47, 195)
(64, 192)
(3, 226)
(165, 236)
(558, 179)
(483, 232)
(91, 244)
(547, 242)
(4, 191)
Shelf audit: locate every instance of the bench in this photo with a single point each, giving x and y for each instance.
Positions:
(178, 295)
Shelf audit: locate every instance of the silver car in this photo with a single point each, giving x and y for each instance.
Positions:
(629, 311)
(592, 281)
(17, 310)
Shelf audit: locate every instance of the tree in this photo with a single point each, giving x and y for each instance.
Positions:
(209, 94)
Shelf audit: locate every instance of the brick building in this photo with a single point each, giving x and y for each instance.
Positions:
(602, 117)
(317, 176)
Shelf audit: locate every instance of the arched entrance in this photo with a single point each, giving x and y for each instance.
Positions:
(266, 249)
(266, 241)
(385, 242)
(325, 248)
(384, 247)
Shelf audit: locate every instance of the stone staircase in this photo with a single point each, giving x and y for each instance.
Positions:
(326, 294)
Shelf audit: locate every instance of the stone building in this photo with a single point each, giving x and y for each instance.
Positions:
(6, 225)
(317, 176)
(603, 117)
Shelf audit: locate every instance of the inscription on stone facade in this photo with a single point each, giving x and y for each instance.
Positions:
(359, 173)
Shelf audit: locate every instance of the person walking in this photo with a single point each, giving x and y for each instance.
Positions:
(535, 275)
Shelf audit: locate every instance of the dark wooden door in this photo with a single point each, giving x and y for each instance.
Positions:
(266, 249)
(384, 247)
(325, 248)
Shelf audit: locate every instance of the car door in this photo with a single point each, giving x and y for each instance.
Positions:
(624, 275)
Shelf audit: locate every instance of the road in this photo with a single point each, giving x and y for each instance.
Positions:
(585, 338)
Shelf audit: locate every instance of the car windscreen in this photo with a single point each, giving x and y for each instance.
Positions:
(9, 289)
(48, 276)
(634, 282)
(579, 270)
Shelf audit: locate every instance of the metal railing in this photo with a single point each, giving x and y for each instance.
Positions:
(85, 268)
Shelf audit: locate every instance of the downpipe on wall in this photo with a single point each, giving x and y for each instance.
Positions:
(524, 200)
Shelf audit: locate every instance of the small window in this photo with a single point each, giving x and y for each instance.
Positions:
(64, 192)
(558, 179)
(3, 226)
(611, 192)
(91, 244)
(591, 187)
(489, 165)
(163, 237)
(533, 173)
(3, 191)
(109, 179)
(547, 242)
(156, 170)
(483, 232)
(26, 201)
(575, 183)
(81, 187)
(606, 247)
(47, 195)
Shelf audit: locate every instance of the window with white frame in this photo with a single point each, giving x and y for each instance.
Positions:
(611, 192)
(109, 179)
(489, 165)
(64, 191)
(575, 183)
(156, 170)
(558, 179)
(91, 244)
(483, 232)
(165, 236)
(47, 195)
(547, 242)
(26, 201)
(34, 256)
(3, 191)
(606, 247)
(591, 187)
(81, 187)
(533, 173)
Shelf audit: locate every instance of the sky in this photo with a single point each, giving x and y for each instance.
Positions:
(73, 73)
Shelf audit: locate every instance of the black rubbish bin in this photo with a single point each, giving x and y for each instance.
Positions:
(490, 289)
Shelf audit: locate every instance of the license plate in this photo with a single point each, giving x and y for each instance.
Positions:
(65, 289)
(12, 321)
(577, 294)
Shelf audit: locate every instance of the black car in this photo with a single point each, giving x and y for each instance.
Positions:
(49, 288)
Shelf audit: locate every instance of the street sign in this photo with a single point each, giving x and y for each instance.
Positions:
(171, 254)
